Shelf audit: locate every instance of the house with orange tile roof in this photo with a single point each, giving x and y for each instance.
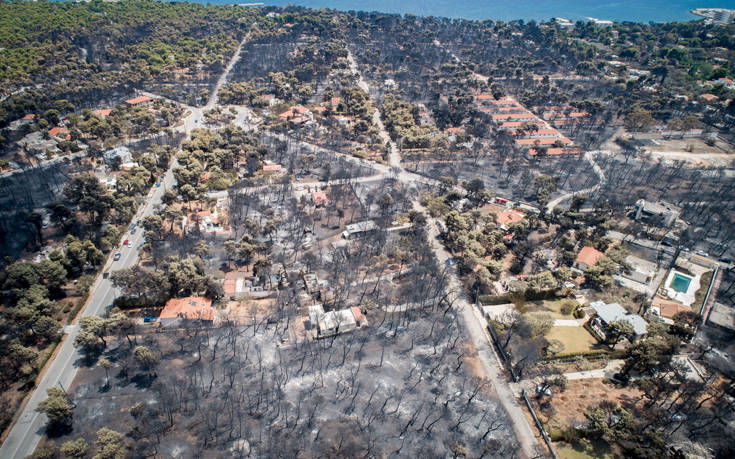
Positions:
(272, 168)
(59, 133)
(319, 198)
(296, 114)
(527, 143)
(187, 311)
(587, 257)
(140, 100)
(508, 217)
(330, 105)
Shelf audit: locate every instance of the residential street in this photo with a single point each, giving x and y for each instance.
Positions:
(60, 372)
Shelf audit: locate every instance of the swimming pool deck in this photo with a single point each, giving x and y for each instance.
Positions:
(687, 298)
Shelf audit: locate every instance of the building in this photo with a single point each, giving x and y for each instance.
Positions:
(721, 16)
(120, 154)
(361, 228)
(334, 322)
(665, 311)
(564, 23)
(657, 213)
(587, 257)
(641, 271)
(607, 313)
(140, 100)
(186, 311)
(319, 198)
(102, 112)
(296, 114)
(723, 317)
(600, 22)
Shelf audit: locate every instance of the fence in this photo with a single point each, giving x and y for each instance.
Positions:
(538, 424)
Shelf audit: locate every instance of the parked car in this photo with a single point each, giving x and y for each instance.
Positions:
(117, 256)
(620, 378)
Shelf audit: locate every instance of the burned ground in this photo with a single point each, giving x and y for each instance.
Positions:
(399, 386)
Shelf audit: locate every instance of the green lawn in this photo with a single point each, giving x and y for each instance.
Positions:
(574, 339)
(584, 449)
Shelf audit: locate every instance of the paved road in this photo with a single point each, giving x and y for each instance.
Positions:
(30, 425)
(467, 311)
(26, 433)
(472, 319)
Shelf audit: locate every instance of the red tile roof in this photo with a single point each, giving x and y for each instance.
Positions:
(509, 216)
(191, 307)
(589, 256)
(55, 131)
(319, 197)
(670, 309)
(293, 112)
(138, 100)
(546, 141)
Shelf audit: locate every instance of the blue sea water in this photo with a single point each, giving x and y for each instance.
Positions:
(618, 10)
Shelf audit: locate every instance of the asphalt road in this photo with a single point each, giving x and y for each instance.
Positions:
(28, 429)
(30, 425)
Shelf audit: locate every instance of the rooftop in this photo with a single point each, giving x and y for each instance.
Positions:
(191, 307)
(138, 100)
(613, 312)
(589, 256)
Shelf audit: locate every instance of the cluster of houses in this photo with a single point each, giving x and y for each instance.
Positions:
(530, 132)
(298, 114)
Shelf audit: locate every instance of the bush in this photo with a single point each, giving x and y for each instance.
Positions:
(568, 306)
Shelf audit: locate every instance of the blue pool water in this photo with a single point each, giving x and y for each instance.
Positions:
(680, 282)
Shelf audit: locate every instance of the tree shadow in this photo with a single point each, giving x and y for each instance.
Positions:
(143, 380)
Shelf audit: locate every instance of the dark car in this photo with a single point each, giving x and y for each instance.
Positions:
(620, 378)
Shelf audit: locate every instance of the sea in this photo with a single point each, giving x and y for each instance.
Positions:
(509, 10)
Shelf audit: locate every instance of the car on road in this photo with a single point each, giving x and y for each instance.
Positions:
(117, 256)
(126, 243)
(620, 378)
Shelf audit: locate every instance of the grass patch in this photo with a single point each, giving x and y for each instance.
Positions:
(704, 282)
(574, 339)
(560, 309)
(584, 449)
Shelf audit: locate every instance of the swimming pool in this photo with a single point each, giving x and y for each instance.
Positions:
(680, 282)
